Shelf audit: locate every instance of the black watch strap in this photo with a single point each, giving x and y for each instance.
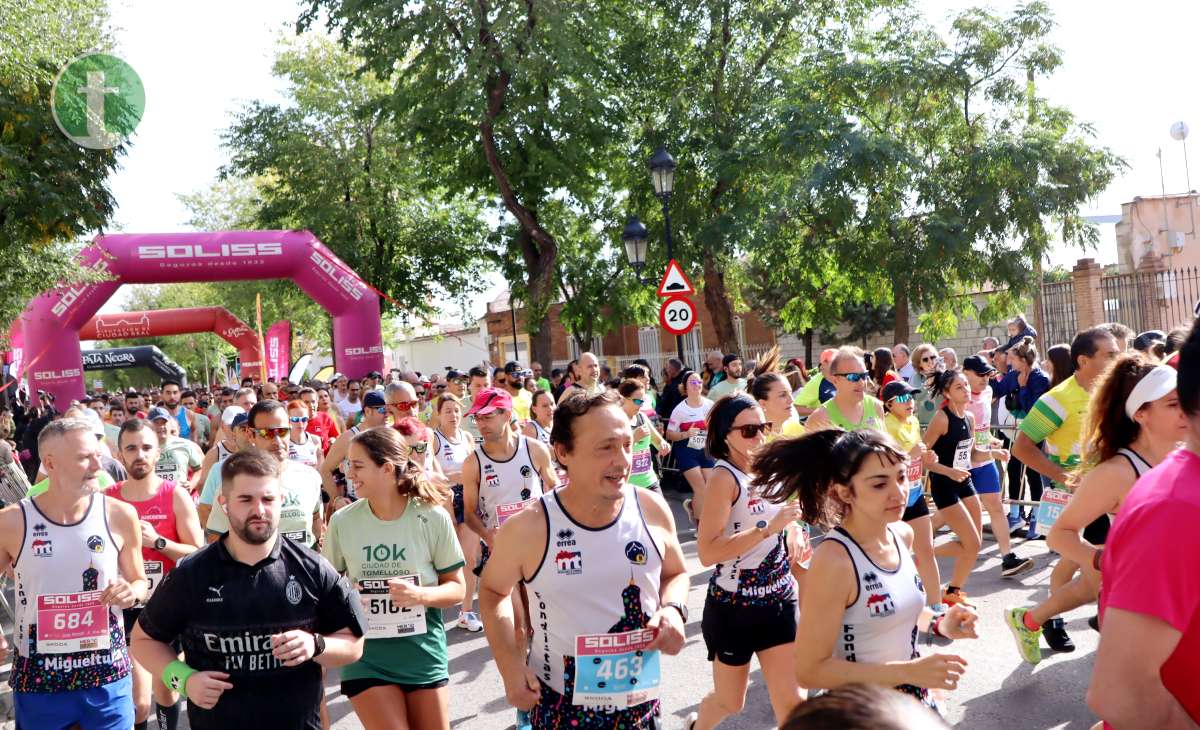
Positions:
(318, 645)
(682, 609)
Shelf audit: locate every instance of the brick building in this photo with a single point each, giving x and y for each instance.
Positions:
(624, 344)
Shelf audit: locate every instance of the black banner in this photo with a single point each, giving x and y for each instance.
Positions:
(147, 356)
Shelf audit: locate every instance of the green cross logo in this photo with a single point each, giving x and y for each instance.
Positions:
(97, 101)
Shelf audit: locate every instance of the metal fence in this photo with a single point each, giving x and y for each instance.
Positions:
(1058, 312)
(1152, 300)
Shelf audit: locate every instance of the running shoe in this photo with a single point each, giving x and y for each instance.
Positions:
(470, 621)
(1012, 565)
(523, 721)
(957, 597)
(687, 507)
(1094, 622)
(1056, 636)
(1028, 641)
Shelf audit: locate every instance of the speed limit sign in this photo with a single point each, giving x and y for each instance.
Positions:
(677, 315)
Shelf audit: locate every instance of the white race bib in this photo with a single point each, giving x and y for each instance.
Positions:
(386, 620)
(697, 439)
(616, 670)
(962, 454)
(154, 575)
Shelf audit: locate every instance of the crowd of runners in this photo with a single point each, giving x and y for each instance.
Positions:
(227, 545)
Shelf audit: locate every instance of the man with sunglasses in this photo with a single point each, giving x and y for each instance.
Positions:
(851, 409)
(300, 508)
(512, 379)
(352, 405)
(319, 422)
(374, 415)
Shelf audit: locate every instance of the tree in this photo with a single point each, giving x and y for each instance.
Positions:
(52, 191)
(942, 171)
(332, 161)
(711, 77)
(513, 100)
(862, 320)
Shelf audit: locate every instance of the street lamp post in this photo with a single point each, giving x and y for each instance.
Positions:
(662, 175)
(634, 238)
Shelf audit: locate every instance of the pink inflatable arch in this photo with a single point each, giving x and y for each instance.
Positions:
(52, 320)
(186, 320)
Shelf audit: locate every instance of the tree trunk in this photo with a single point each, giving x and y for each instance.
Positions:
(539, 273)
(808, 348)
(716, 299)
(900, 297)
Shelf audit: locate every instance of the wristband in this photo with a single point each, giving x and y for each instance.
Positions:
(176, 675)
(1096, 558)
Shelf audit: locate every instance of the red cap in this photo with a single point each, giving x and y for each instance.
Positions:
(489, 400)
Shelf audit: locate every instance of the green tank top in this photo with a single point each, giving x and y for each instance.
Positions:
(872, 415)
(642, 474)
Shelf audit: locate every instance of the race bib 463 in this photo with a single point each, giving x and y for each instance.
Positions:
(616, 669)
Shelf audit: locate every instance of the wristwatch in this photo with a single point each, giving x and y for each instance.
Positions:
(318, 645)
(160, 542)
(682, 609)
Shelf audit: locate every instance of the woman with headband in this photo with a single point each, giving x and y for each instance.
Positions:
(1133, 423)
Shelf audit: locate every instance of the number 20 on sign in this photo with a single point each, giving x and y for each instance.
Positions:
(677, 315)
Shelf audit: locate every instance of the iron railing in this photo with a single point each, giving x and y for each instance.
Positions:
(1058, 312)
(1152, 300)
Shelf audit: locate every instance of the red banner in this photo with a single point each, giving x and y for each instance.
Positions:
(279, 350)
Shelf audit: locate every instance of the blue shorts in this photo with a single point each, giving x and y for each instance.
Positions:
(986, 478)
(689, 458)
(107, 707)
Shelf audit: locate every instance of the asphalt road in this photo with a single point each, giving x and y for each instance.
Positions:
(998, 690)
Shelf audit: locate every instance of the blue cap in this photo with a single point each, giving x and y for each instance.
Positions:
(373, 399)
(158, 412)
(240, 419)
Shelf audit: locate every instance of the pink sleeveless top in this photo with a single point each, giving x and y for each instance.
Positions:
(159, 511)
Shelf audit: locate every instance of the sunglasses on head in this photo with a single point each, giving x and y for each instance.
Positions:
(752, 430)
(272, 433)
(906, 397)
(298, 419)
(854, 377)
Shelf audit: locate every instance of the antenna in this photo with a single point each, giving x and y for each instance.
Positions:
(1179, 131)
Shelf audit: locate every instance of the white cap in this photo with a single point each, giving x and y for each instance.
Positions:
(231, 413)
(1156, 384)
(94, 418)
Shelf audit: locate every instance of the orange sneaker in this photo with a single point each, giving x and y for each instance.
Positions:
(957, 597)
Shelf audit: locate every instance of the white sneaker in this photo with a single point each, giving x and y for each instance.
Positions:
(690, 721)
(469, 621)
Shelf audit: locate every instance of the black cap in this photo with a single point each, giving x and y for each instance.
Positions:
(978, 365)
(1144, 341)
(375, 375)
(455, 375)
(373, 399)
(512, 366)
(895, 388)
(730, 358)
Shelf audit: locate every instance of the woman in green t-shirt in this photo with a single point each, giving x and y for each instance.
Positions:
(397, 545)
(642, 474)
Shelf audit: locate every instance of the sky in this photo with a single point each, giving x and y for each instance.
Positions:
(1127, 71)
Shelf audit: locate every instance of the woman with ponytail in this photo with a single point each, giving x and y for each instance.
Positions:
(951, 436)
(1134, 421)
(404, 667)
(863, 598)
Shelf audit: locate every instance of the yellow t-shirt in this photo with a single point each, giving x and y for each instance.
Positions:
(522, 402)
(1056, 420)
(906, 433)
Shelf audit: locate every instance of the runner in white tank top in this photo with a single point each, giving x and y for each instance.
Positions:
(606, 582)
(863, 598)
(759, 576)
(306, 451)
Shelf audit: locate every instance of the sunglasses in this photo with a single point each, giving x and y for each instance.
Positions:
(637, 401)
(752, 430)
(418, 448)
(902, 398)
(853, 377)
(695, 382)
(381, 410)
(928, 358)
(439, 387)
(405, 406)
(298, 419)
(272, 433)
(420, 394)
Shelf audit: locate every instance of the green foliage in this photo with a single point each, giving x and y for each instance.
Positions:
(332, 160)
(52, 191)
(862, 321)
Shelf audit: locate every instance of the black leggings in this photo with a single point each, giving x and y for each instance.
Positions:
(1015, 470)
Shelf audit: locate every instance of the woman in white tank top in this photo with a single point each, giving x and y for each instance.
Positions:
(1133, 423)
(453, 446)
(303, 446)
(750, 609)
(541, 421)
(863, 598)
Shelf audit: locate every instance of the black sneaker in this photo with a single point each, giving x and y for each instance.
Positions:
(1056, 636)
(1012, 565)
(1094, 622)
